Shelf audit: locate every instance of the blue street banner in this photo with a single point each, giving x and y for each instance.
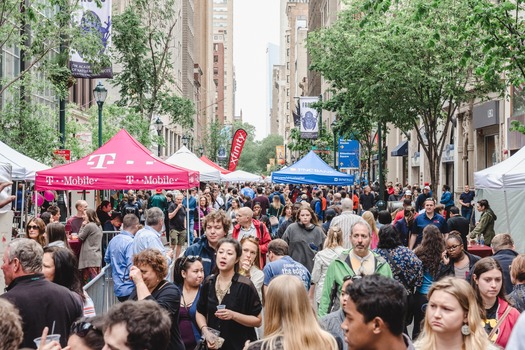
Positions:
(93, 19)
(309, 117)
(348, 154)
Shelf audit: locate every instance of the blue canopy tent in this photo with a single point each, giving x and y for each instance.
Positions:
(311, 170)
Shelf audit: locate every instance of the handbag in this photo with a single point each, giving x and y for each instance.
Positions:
(274, 219)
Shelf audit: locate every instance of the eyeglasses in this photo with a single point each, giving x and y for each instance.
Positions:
(32, 227)
(453, 247)
(82, 328)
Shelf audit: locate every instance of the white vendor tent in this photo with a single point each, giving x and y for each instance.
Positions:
(24, 168)
(241, 176)
(185, 158)
(503, 185)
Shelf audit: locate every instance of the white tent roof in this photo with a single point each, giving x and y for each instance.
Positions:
(24, 168)
(185, 158)
(241, 176)
(508, 174)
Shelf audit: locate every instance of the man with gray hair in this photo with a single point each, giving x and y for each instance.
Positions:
(41, 303)
(346, 220)
(149, 236)
(504, 252)
(358, 261)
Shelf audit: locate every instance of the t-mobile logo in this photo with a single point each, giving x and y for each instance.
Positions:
(103, 160)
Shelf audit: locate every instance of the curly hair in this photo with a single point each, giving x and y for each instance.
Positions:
(388, 237)
(431, 248)
(10, 326)
(154, 259)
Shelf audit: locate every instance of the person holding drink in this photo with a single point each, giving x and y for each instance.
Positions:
(229, 302)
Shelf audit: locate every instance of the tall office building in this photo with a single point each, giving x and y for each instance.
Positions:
(222, 23)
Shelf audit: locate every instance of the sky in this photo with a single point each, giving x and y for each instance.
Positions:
(255, 24)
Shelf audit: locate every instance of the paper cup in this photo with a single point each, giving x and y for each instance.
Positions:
(50, 338)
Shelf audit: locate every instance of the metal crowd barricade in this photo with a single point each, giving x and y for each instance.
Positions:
(100, 289)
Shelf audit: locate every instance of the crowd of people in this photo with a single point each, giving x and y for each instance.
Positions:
(260, 267)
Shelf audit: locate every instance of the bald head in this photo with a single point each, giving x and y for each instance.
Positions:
(244, 217)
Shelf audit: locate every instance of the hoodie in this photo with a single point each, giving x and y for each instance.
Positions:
(485, 226)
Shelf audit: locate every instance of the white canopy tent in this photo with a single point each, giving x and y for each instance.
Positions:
(185, 158)
(503, 185)
(24, 168)
(241, 176)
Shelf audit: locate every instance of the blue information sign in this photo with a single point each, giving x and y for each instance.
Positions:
(348, 154)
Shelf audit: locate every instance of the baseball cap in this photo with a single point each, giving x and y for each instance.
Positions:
(408, 193)
(159, 190)
(426, 188)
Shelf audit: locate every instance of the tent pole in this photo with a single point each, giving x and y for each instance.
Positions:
(506, 205)
(188, 217)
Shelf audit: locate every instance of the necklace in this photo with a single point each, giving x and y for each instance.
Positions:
(221, 293)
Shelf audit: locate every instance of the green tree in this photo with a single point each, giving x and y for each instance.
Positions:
(143, 40)
(402, 64)
(502, 28)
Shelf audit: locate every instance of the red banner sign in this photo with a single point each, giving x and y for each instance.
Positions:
(237, 144)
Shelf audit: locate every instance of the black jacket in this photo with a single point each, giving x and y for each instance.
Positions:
(505, 257)
(448, 270)
(42, 303)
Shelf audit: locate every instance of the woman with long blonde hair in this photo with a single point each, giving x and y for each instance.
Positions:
(332, 249)
(453, 319)
(290, 325)
(368, 216)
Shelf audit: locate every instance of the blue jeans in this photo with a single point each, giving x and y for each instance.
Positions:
(466, 212)
(191, 226)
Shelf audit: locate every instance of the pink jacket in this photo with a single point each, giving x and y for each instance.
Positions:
(508, 324)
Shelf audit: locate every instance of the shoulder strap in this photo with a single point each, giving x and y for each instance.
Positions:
(500, 321)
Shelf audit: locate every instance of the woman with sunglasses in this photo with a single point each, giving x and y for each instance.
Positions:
(35, 230)
(90, 257)
(188, 275)
(229, 302)
(455, 260)
(86, 334)
(148, 272)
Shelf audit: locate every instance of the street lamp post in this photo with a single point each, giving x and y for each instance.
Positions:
(334, 131)
(158, 125)
(185, 140)
(100, 94)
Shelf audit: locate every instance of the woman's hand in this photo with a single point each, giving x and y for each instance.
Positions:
(445, 258)
(225, 314)
(135, 275)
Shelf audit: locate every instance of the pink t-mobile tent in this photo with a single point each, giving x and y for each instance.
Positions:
(121, 163)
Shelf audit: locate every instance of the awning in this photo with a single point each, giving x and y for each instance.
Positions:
(401, 150)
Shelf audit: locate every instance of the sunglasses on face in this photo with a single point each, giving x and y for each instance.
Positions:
(82, 328)
(32, 227)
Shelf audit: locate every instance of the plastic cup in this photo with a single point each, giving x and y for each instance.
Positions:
(50, 338)
(221, 307)
(210, 334)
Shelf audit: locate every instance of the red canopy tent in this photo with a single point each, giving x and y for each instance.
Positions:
(209, 162)
(121, 163)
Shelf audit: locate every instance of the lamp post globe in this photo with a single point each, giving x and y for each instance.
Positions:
(158, 126)
(100, 93)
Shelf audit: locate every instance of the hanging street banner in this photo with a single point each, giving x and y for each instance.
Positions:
(237, 144)
(279, 152)
(93, 19)
(348, 154)
(309, 117)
